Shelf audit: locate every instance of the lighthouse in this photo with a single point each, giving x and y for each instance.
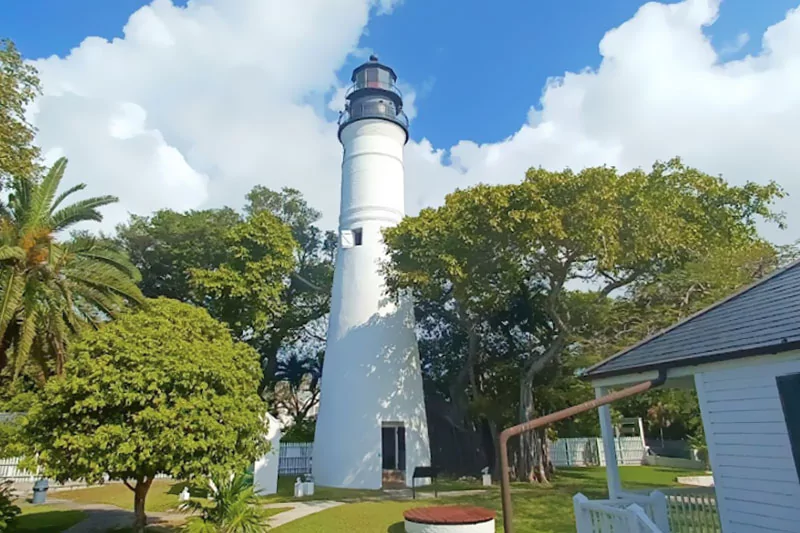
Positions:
(371, 427)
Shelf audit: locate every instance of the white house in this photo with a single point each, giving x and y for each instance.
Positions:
(742, 355)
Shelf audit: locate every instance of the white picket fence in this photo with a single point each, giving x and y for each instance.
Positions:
(611, 516)
(668, 510)
(588, 451)
(9, 469)
(294, 458)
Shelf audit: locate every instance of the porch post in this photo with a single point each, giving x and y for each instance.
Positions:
(609, 446)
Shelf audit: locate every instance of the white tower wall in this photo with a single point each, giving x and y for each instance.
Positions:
(371, 374)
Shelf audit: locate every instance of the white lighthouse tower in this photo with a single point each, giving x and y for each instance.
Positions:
(371, 427)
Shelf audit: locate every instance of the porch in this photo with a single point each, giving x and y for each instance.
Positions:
(666, 510)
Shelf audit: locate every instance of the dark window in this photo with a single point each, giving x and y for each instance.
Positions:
(358, 236)
(789, 391)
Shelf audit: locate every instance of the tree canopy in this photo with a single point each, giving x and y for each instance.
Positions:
(19, 86)
(531, 246)
(159, 390)
(266, 272)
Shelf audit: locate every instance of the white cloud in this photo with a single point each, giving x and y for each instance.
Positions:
(741, 40)
(660, 91)
(196, 105)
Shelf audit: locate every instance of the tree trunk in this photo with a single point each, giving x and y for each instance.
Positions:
(139, 498)
(527, 441)
(542, 470)
(495, 435)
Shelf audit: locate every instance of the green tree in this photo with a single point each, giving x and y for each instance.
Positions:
(159, 390)
(297, 389)
(167, 245)
(200, 257)
(19, 86)
(306, 295)
(491, 244)
(245, 291)
(51, 290)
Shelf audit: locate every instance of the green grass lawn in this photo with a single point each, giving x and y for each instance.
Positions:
(47, 518)
(286, 493)
(539, 509)
(163, 495)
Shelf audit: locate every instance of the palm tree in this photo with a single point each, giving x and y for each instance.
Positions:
(297, 389)
(49, 290)
(236, 509)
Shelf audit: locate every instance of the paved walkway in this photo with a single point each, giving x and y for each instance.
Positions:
(299, 510)
(101, 518)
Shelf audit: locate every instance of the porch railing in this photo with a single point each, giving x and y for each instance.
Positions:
(679, 510)
(692, 510)
(611, 516)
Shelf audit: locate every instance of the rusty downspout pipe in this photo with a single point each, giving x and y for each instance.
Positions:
(505, 481)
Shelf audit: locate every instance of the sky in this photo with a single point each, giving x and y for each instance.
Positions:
(187, 105)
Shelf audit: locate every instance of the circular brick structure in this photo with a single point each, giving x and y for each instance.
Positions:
(449, 519)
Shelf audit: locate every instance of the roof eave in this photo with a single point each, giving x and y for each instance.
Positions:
(771, 349)
(691, 317)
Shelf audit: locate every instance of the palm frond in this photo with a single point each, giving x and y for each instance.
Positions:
(106, 279)
(11, 252)
(91, 250)
(63, 196)
(20, 198)
(13, 283)
(27, 333)
(80, 212)
(44, 193)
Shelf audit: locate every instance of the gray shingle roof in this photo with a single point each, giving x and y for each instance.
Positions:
(762, 318)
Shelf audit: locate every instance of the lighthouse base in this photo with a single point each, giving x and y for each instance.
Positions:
(371, 428)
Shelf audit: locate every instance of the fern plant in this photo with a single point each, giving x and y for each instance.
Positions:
(235, 509)
(50, 290)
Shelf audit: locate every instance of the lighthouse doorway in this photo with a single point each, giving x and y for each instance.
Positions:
(393, 453)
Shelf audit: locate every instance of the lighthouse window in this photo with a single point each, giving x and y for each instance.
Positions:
(358, 236)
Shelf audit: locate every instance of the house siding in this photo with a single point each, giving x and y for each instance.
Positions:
(755, 477)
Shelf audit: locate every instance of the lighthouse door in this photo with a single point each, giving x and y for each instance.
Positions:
(393, 453)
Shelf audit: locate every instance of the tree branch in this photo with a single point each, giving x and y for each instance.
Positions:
(306, 282)
(618, 283)
(125, 481)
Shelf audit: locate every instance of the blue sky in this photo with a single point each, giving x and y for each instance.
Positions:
(196, 105)
(471, 66)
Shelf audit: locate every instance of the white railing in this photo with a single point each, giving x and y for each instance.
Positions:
(679, 510)
(611, 516)
(693, 510)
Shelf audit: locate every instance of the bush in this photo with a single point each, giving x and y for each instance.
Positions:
(8, 511)
(236, 509)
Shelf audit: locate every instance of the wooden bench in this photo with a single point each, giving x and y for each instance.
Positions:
(423, 472)
(449, 519)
